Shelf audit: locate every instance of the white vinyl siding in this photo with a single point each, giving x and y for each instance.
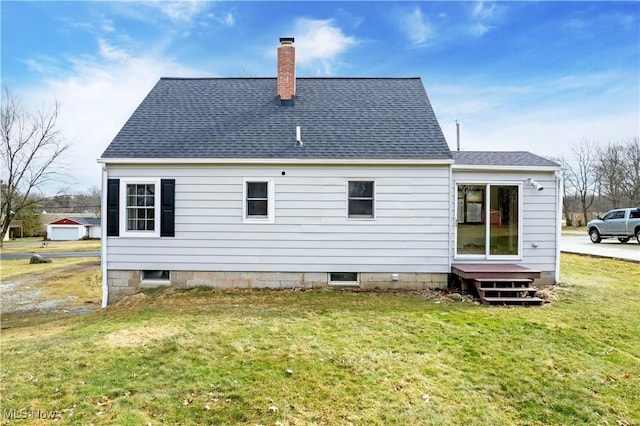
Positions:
(310, 231)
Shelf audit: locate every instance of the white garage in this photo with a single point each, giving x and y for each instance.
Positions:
(74, 228)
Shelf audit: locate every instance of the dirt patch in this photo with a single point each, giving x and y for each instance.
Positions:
(551, 293)
(131, 337)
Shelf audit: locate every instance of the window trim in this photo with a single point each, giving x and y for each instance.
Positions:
(373, 199)
(271, 200)
(487, 212)
(156, 207)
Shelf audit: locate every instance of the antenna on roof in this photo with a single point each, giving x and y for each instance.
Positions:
(458, 134)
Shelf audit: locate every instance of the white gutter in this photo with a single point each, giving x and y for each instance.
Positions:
(338, 161)
(477, 167)
(452, 223)
(103, 238)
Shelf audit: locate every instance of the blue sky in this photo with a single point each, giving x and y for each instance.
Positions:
(537, 76)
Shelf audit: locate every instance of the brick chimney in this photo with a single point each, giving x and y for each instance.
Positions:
(286, 83)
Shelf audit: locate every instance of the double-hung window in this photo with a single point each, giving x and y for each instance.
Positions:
(140, 204)
(360, 203)
(141, 201)
(259, 200)
(140, 207)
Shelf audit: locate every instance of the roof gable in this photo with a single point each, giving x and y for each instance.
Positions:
(229, 118)
(86, 221)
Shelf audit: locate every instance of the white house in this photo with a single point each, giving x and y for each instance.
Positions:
(312, 182)
(74, 228)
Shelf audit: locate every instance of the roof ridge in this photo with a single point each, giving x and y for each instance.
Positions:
(297, 78)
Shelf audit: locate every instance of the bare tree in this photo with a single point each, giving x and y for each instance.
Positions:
(611, 174)
(569, 201)
(581, 177)
(632, 172)
(31, 148)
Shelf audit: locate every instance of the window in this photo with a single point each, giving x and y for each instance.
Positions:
(488, 222)
(616, 214)
(259, 200)
(155, 276)
(360, 199)
(343, 278)
(141, 207)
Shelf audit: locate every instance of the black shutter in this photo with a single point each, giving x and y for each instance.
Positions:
(167, 207)
(113, 211)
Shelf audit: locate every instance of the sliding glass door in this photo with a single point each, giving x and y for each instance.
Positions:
(488, 222)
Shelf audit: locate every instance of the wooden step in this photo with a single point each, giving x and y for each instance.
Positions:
(512, 300)
(502, 282)
(507, 289)
(506, 292)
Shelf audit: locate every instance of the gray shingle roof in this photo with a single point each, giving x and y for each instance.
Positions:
(501, 158)
(340, 118)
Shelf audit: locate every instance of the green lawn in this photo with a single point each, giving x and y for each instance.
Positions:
(34, 245)
(331, 357)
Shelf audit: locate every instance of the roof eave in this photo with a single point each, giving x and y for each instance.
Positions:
(505, 168)
(321, 161)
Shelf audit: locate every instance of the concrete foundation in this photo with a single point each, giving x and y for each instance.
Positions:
(124, 283)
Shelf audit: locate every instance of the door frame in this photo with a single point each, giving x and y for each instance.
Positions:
(487, 214)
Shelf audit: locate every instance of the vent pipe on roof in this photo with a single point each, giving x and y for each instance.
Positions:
(298, 136)
(286, 79)
(458, 134)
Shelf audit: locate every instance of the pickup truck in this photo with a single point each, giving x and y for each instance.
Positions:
(622, 224)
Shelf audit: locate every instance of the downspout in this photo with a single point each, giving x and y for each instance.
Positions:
(452, 223)
(560, 191)
(103, 238)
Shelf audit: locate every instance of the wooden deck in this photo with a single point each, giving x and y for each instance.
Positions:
(482, 270)
(497, 283)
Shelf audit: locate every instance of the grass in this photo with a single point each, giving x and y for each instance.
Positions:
(16, 267)
(201, 356)
(32, 245)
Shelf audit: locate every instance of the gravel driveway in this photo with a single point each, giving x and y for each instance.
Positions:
(25, 294)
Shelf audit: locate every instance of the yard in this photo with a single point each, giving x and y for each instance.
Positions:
(201, 356)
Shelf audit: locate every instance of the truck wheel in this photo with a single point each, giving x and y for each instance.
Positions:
(638, 235)
(594, 235)
(623, 240)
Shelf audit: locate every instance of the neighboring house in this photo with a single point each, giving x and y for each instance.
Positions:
(74, 228)
(310, 182)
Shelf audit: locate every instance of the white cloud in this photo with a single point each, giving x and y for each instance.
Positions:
(229, 20)
(481, 15)
(106, 25)
(179, 11)
(418, 29)
(97, 95)
(478, 29)
(546, 117)
(319, 43)
(483, 11)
